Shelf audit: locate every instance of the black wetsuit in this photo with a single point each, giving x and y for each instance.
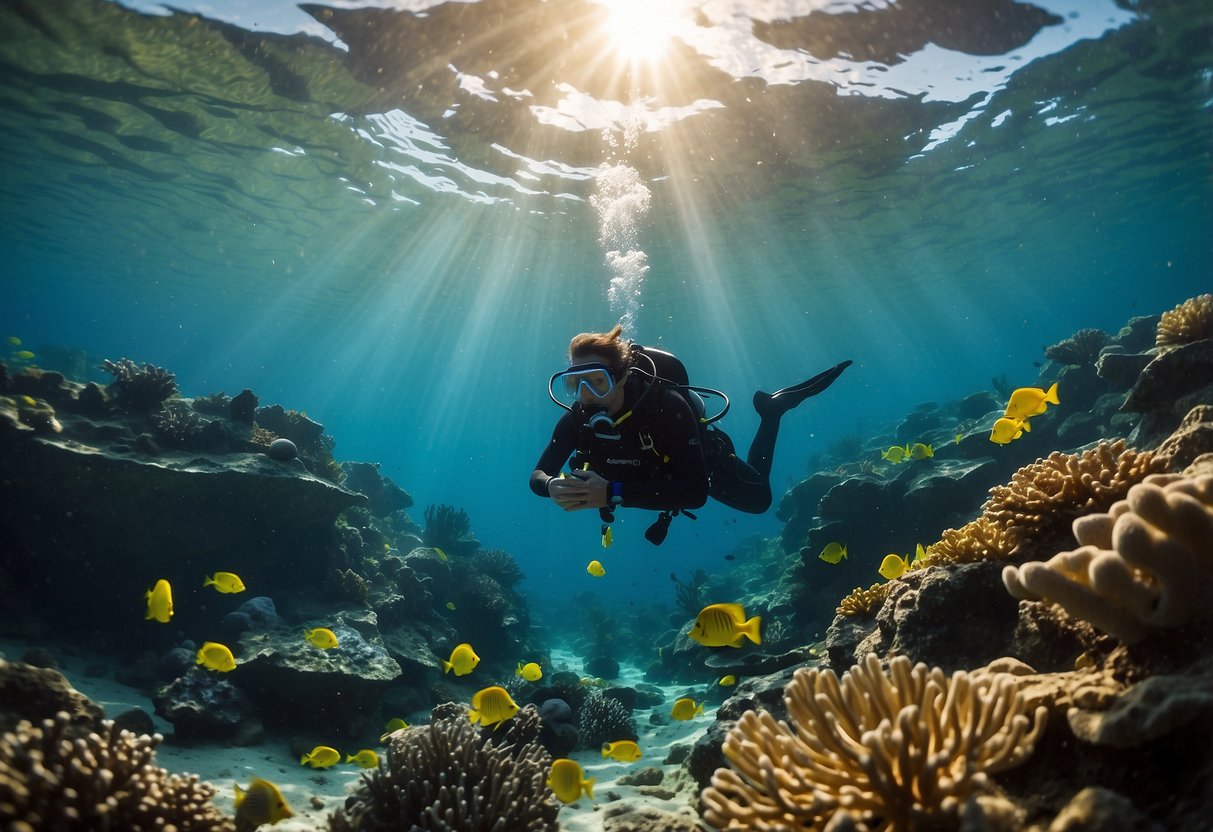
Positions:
(658, 458)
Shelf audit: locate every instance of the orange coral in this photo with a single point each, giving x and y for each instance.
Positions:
(1191, 321)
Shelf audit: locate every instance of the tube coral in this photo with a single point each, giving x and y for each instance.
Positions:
(891, 752)
(1144, 565)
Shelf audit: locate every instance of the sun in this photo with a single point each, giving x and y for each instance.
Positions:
(640, 31)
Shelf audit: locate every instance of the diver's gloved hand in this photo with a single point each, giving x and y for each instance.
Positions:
(579, 490)
(781, 401)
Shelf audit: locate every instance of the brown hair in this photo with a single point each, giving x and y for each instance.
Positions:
(610, 345)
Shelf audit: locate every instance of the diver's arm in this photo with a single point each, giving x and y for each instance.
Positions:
(555, 455)
(687, 485)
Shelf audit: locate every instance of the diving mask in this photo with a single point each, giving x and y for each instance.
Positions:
(566, 386)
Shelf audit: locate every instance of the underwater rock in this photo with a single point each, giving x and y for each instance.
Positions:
(291, 425)
(603, 667)
(243, 407)
(707, 754)
(921, 420)
(37, 693)
(1121, 369)
(337, 689)
(798, 507)
(282, 450)
(1096, 808)
(1192, 439)
(203, 705)
(383, 495)
(559, 733)
(257, 613)
(1152, 708)
(1170, 376)
(630, 817)
(136, 720)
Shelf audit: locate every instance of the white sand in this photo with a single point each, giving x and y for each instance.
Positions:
(313, 795)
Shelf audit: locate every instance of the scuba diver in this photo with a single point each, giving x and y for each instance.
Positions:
(638, 436)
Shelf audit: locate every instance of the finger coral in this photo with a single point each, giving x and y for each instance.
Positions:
(103, 781)
(864, 601)
(1187, 323)
(449, 776)
(1146, 564)
(903, 751)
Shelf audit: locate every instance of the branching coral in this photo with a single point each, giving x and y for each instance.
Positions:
(1189, 322)
(448, 775)
(104, 781)
(177, 424)
(901, 751)
(499, 565)
(140, 387)
(690, 594)
(1081, 349)
(448, 528)
(864, 601)
(1146, 564)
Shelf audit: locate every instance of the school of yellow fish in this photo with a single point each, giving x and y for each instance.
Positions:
(1024, 403)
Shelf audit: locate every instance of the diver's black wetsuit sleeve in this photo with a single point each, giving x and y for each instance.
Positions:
(556, 454)
(685, 484)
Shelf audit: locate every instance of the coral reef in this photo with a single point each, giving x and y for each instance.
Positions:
(179, 425)
(449, 776)
(104, 781)
(139, 388)
(499, 565)
(895, 752)
(1146, 564)
(1191, 321)
(864, 601)
(1081, 349)
(604, 719)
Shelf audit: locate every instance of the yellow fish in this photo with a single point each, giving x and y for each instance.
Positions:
(321, 637)
(725, 625)
(492, 706)
(567, 781)
(450, 605)
(29, 400)
(366, 758)
(13, 340)
(321, 756)
(441, 554)
(833, 552)
(262, 803)
(893, 566)
(531, 671)
(727, 681)
(685, 709)
(595, 569)
(921, 451)
(463, 660)
(895, 454)
(216, 657)
(959, 436)
(226, 582)
(24, 355)
(1030, 401)
(160, 602)
(393, 725)
(920, 554)
(608, 537)
(1007, 429)
(625, 751)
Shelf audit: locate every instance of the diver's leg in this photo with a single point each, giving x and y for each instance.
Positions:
(741, 487)
(781, 401)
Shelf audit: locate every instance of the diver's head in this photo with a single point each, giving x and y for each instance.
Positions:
(608, 348)
(598, 364)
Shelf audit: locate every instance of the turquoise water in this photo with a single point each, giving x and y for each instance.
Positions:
(394, 218)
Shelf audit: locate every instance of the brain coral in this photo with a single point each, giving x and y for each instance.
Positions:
(1191, 321)
(1144, 565)
(103, 781)
(903, 751)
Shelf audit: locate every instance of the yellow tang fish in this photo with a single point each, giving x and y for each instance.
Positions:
(29, 400)
(366, 758)
(226, 582)
(216, 657)
(921, 451)
(727, 681)
(262, 803)
(834, 552)
(463, 660)
(531, 671)
(450, 605)
(24, 355)
(13, 340)
(1030, 401)
(625, 751)
(685, 709)
(608, 537)
(567, 781)
(322, 756)
(160, 602)
(492, 706)
(321, 637)
(895, 454)
(959, 436)
(893, 566)
(725, 625)
(1007, 429)
(595, 569)
(393, 725)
